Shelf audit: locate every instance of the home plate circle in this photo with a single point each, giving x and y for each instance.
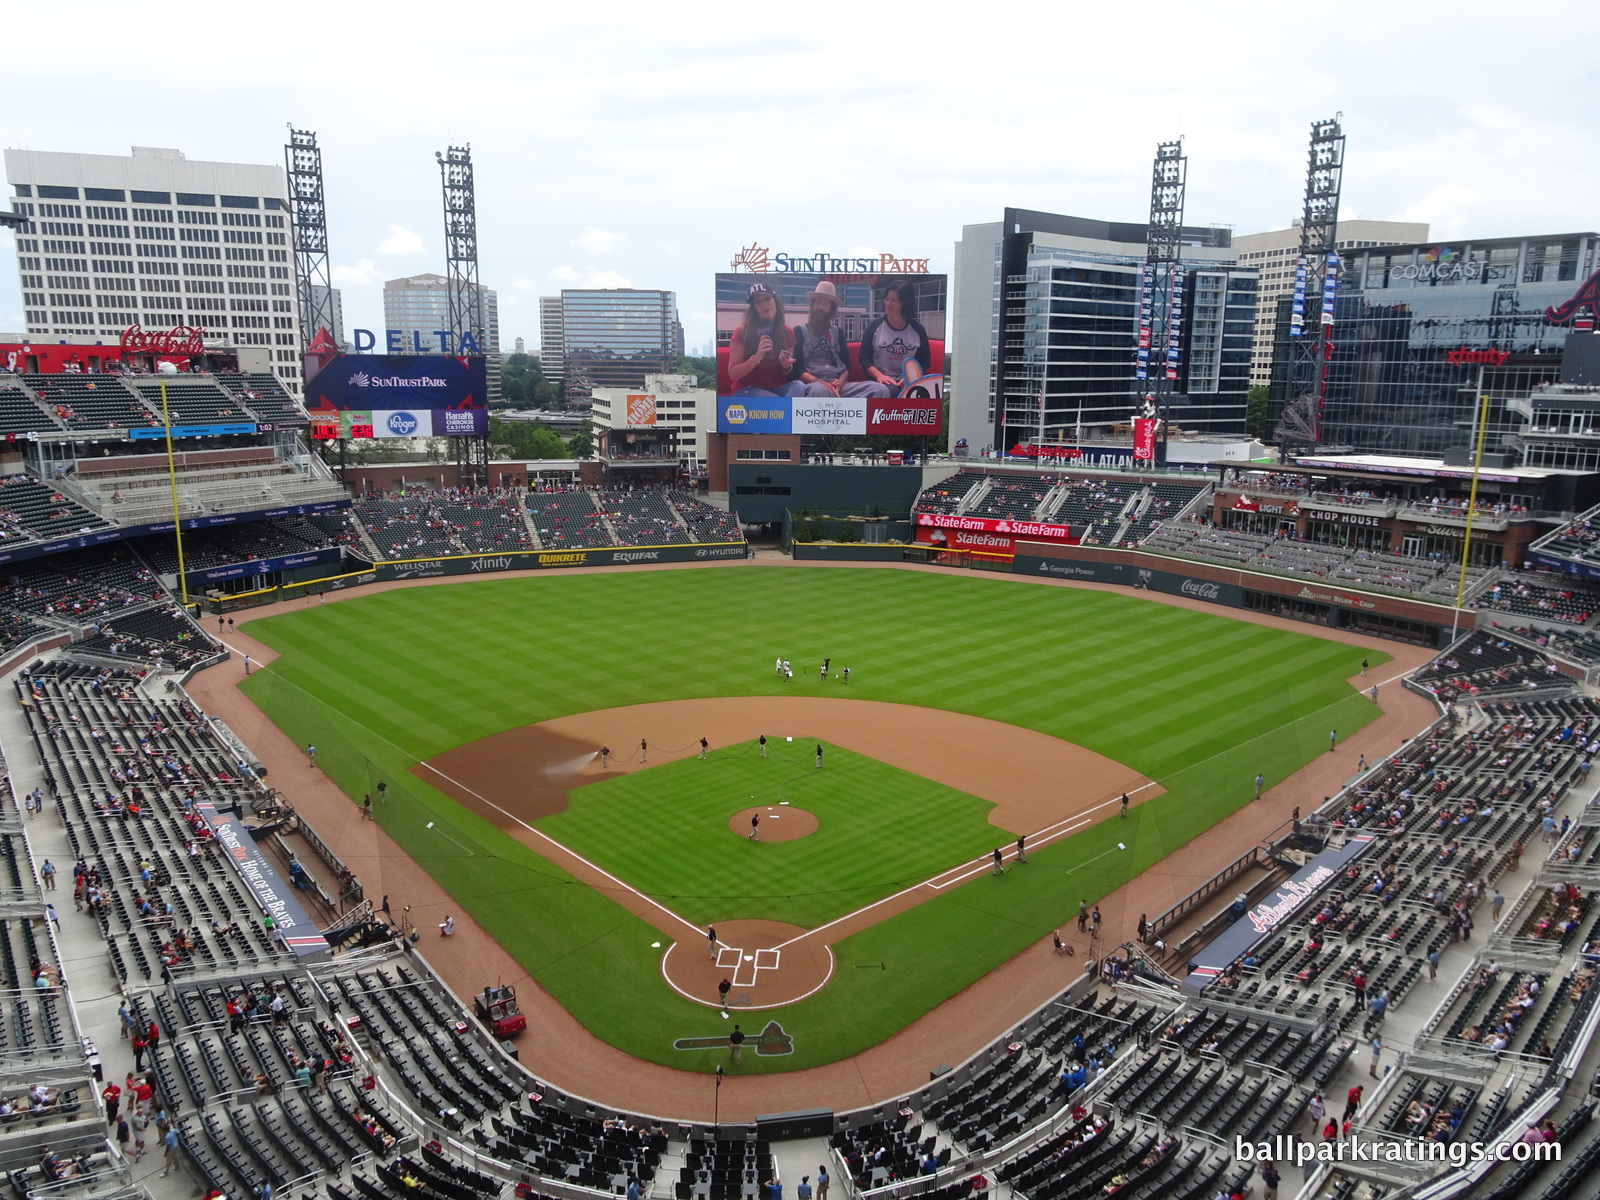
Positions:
(778, 824)
(766, 963)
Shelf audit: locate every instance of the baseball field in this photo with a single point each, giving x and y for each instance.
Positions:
(976, 709)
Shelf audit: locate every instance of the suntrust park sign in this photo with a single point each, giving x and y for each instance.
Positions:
(759, 260)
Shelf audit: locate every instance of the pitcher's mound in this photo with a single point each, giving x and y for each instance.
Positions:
(779, 822)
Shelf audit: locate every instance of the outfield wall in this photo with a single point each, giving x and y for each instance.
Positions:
(534, 560)
(1314, 602)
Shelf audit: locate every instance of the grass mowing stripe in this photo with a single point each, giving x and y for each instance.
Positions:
(1193, 698)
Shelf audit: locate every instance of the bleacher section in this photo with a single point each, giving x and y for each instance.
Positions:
(1371, 570)
(34, 511)
(21, 413)
(79, 586)
(946, 497)
(1162, 502)
(193, 400)
(706, 522)
(1485, 664)
(643, 518)
(406, 528)
(484, 524)
(1522, 597)
(130, 489)
(568, 520)
(1096, 504)
(264, 396)
(1013, 498)
(158, 636)
(91, 401)
(206, 548)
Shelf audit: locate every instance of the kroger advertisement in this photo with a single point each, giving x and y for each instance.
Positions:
(809, 353)
(394, 396)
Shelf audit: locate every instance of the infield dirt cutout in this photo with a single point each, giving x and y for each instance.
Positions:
(1039, 785)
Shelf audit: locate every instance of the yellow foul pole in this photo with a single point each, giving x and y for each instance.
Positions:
(172, 480)
(1472, 499)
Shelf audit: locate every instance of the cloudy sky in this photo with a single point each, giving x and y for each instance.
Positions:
(632, 144)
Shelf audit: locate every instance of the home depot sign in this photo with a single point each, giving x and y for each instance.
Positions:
(640, 409)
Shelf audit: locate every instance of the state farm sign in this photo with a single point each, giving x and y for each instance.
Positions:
(1017, 529)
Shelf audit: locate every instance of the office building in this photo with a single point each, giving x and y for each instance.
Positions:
(417, 308)
(156, 240)
(335, 308)
(1276, 253)
(665, 419)
(552, 339)
(1047, 305)
(614, 337)
(1422, 330)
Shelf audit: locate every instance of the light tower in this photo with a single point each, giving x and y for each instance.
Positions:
(468, 329)
(1316, 282)
(1161, 288)
(309, 215)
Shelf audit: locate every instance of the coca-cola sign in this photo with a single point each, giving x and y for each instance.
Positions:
(179, 340)
(1201, 590)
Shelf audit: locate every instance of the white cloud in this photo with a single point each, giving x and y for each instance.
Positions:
(1448, 209)
(402, 241)
(596, 241)
(362, 273)
(588, 277)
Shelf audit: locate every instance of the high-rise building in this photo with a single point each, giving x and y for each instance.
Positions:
(617, 336)
(1045, 330)
(1422, 331)
(1275, 255)
(335, 309)
(157, 240)
(420, 305)
(552, 338)
(416, 310)
(521, 347)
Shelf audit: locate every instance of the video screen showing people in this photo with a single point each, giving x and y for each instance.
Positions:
(857, 337)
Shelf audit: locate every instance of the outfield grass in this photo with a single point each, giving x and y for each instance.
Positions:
(879, 829)
(1192, 699)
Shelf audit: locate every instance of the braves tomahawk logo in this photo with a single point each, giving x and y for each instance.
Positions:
(1587, 296)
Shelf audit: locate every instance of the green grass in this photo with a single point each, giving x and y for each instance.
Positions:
(1192, 699)
(665, 830)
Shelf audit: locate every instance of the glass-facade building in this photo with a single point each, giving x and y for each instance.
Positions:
(1050, 304)
(1421, 331)
(614, 337)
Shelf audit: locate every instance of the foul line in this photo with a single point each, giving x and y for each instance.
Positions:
(545, 837)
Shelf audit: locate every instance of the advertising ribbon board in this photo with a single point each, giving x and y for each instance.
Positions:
(276, 898)
(1263, 919)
